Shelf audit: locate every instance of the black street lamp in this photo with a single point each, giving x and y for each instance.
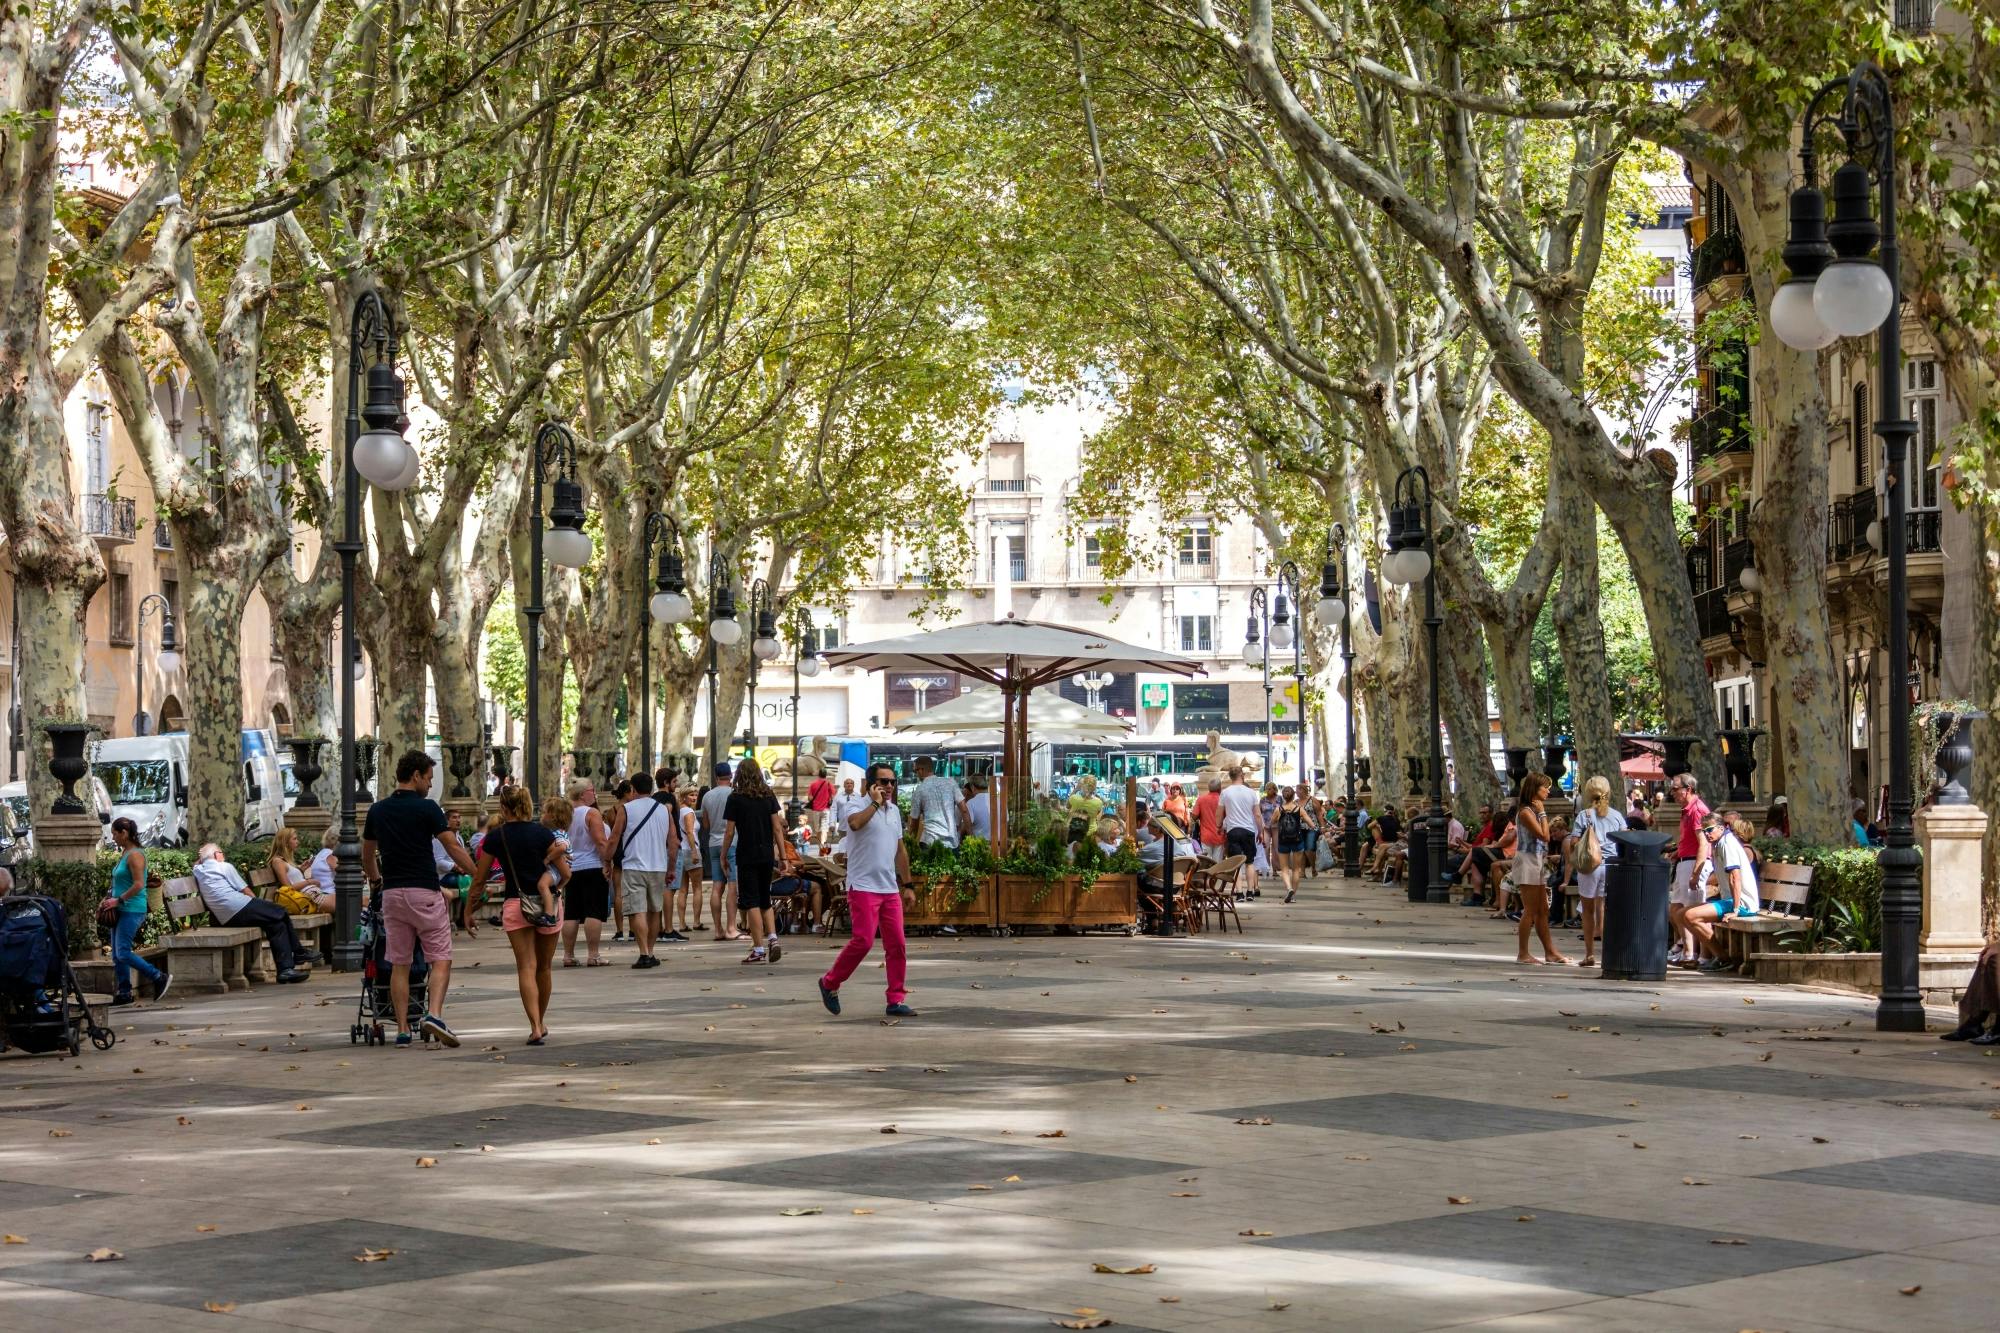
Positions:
(168, 658)
(764, 647)
(566, 544)
(381, 456)
(1283, 636)
(1254, 634)
(1332, 607)
(805, 663)
(1837, 290)
(669, 605)
(725, 631)
(1412, 557)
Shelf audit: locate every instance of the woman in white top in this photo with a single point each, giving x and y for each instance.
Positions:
(688, 879)
(324, 863)
(284, 866)
(1596, 816)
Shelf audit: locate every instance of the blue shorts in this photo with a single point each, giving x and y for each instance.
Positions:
(711, 858)
(1723, 906)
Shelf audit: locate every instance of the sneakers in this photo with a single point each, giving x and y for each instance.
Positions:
(292, 976)
(774, 949)
(754, 956)
(1988, 1039)
(1963, 1032)
(1677, 954)
(434, 1026)
(307, 956)
(120, 1001)
(642, 962)
(404, 1040)
(829, 997)
(674, 937)
(160, 987)
(900, 1011)
(1710, 965)
(947, 930)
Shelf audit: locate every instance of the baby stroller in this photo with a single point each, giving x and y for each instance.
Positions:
(377, 1007)
(42, 1007)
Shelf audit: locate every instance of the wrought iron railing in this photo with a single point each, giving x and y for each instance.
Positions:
(1720, 254)
(109, 516)
(1711, 613)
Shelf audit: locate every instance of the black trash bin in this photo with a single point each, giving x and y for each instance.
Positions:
(1420, 859)
(1636, 884)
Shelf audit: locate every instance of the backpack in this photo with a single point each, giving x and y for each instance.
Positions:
(1589, 851)
(1290, 825)
(293, 900)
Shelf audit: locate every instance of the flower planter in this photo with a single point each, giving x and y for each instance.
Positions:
(1112, 900)
(938, 907)
(67, 764)
(1024, 900)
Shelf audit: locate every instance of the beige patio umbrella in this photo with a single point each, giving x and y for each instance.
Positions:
(984, 711)
(1015, 656)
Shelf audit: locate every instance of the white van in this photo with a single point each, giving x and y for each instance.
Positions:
(147, 777)
(14, 795)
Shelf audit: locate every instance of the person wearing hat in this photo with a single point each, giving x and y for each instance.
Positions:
(718, 865)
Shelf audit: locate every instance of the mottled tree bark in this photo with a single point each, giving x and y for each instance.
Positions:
(1580, 637)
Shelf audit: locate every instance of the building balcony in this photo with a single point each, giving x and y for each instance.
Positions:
(1720, 255)
(110, 519)
(1736, 557)
(1847, 522)
(1711, 613)
(1007, 485)
(1722, 429)
(1923, 532)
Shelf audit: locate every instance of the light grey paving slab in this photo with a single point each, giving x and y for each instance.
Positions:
(1263, 999)
(1964, 1176)
(26, 1194)
(501, 1126)
(960, 1077)
(613, 1051)
(1407, 1115)
(1334, 1042)
(943, 1011)
(1767, 1081)
(908, 1311)
(1606, 1255)
(1643, 1025)
(284, 1262)
(940, 1168)
(131, 1101)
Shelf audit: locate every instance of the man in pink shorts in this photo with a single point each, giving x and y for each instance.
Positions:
(396, 857)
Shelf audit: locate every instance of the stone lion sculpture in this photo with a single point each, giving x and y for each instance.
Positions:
(1221, 760)
(809, 763)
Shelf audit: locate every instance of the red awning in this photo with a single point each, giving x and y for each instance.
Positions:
(1643, 768)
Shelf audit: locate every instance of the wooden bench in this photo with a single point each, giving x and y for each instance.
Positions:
(209, 959)
(315, 928)
(1785, 889)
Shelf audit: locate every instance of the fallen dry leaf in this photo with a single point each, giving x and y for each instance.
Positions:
(1690, 1180)
(1281, 1305)
(218, 1307)
(1457, 1198)
(1254, 1232)
(890, 1129)
(970, 1188)
(1559, 1096)
(1094, 1321)
(104, 1254)
(1140, 1271)
(61, 1134)
(1254, 1120)
(800, 1212)
(182, 1120)
(369, 1256)
(1525, 1217)
(206, 1226)
(427, 1161)
(1911, 1291)
(1186, 1194)
(1817, 1139)
(1765, 1056)
(1131, 1078)
(303, 1107)
(1010, 1180)
(1728, 1240)
(1638, 1145)
(1170, 1300)
(863, 1212)
(12, 1239)
(1748, 1000)
(486, 1147)
(1053, 1134)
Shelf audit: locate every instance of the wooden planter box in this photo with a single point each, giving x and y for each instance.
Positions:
(937, 909)
(1018, 906)
(1113, 900)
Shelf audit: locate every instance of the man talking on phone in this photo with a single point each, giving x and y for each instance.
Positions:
(877, 869)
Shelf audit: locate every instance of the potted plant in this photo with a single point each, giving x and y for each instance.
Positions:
(1033, 870)
(1107, 893)
(66, 762)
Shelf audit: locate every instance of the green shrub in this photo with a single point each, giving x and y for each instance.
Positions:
(79, 886)
(1846, 899)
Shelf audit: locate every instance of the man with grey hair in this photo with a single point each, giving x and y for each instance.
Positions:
(230, 903)
(1690, 866)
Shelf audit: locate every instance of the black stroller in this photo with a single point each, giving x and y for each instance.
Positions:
(42, 1008)
(377, 1007)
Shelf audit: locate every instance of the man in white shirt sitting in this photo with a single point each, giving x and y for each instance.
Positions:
(230, 903)
(979, 809)
(848, 802)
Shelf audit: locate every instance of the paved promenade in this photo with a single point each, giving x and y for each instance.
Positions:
(1361, 1114)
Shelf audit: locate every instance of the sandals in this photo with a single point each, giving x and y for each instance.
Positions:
(598, 962)
(571, 962)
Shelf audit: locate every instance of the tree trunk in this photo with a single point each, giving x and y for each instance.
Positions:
(1465, 711)
(56, 568)
(1593, 727)
(215, 586)
(1513, 651)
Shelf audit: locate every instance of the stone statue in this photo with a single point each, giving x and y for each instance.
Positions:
(809, 763)
(1221, 760)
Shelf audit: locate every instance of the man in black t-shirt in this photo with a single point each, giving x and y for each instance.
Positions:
(396, 857)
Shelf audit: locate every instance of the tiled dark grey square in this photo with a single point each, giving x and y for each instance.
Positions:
(975, 1077)
(944, 1013)
(1263, 999)
(1407, 1115)
(134, 1100)
(616, 1051)
(1631, 1025)
(283, 1263)
(1769, 1082)
(1964, 1176)
(518, 1122)
(1606, 1255)
(19, 1194)
(1327, 1042)
(973, 981)
(707, 1006)
(906, 1310)
(939, 1168)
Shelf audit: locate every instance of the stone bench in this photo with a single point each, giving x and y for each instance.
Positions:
(214, 959)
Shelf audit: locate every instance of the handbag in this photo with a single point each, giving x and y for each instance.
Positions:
(107, 912)
(1589, 852)
(294, 900)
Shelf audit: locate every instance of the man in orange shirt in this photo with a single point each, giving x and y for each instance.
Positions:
(1208, 818)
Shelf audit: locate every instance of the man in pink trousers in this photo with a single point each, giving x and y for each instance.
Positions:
(877, 868)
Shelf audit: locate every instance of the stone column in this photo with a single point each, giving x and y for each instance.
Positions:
(1950, 836)
(68, 837)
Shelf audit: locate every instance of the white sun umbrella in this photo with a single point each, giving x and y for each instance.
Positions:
(1016, 656)
(992, 737)
(985, 710)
